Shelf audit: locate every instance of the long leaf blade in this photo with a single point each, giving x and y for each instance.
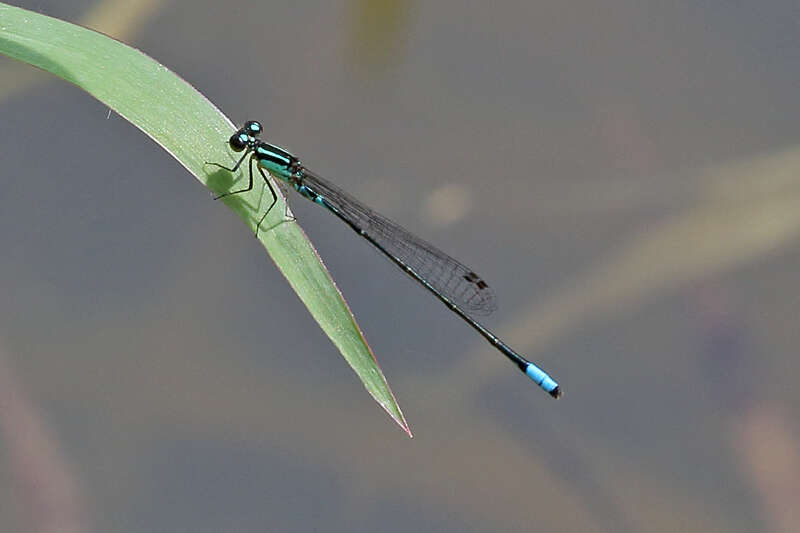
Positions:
(183, 122)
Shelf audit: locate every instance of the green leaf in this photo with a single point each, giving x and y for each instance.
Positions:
(188, 126)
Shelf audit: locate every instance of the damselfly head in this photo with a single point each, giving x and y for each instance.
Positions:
(239, 141)
(252, 127)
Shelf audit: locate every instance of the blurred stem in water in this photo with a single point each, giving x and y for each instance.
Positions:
(49, 495)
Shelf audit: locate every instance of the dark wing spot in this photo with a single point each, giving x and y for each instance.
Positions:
(472, 277)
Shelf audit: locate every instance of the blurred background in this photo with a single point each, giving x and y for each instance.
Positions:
(626, 175)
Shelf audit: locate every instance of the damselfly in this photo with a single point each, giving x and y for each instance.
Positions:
(459, 288)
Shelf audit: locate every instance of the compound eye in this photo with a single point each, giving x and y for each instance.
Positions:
(252, 127)
(239, 141)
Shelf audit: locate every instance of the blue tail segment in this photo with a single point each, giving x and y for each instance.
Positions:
(543, 379)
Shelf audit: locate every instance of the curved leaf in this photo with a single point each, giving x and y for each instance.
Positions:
(183, 122)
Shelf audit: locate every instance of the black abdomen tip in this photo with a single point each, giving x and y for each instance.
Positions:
(556, 393)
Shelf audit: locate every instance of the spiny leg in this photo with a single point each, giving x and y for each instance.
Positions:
(288, 217)
(250, 187)
(272, 192)
(234, 169)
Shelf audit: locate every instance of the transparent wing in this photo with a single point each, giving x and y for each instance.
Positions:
(457, 282)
